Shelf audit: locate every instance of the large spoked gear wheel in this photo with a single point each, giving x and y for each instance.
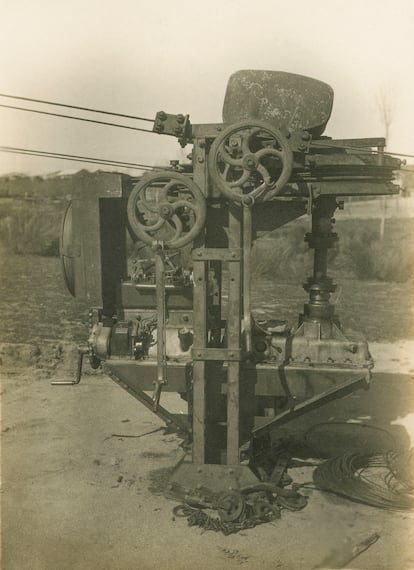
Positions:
(250, 161)
(166, 208)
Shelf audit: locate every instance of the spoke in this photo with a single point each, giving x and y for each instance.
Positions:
(267, 179)
(154, 227)
(268, 151)
(228, 159)
(243, 178)
(183, 204)
(226, 171)
(162, 192)
(141, 198)
(245, 143)
(178, 227)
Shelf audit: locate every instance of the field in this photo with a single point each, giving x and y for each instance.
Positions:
(82, 486)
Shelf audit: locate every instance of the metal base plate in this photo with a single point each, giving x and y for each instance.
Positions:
(191, 480)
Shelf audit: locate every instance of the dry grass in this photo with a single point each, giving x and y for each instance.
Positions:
(28, 227)
(359, 253)
(33, 227)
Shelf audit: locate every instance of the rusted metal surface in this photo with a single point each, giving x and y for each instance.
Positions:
(284, 100)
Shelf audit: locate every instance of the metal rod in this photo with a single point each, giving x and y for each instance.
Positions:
(247, 247)
(148, 402)
(161, 333)
(360, 381)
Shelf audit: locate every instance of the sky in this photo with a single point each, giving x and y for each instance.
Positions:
(140, 56)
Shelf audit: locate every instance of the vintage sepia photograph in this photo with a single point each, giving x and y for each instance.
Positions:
(206, 285)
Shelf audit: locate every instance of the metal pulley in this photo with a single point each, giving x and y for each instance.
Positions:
(249, 161)
(167, 208)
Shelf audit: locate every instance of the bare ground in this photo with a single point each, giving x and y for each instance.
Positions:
(75, 496)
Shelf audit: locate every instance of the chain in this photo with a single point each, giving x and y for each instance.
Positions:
(237, 511)
(198, 517)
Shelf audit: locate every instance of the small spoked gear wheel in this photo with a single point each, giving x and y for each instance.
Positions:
(250, 161)
(166, 208)
(230, 506)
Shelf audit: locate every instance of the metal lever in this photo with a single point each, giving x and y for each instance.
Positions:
(82, 350)
(161, 333)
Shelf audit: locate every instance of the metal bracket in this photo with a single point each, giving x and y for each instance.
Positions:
(176, 125)
(230, 354)
(216, 254)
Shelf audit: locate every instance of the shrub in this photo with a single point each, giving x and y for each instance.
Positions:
(30, 228)
(359, 253)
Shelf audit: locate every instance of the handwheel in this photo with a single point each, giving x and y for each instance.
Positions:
(167, 208)
(249, 161)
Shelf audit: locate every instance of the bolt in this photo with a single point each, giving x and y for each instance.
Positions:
(178, 130)
(200, 159)
(231, 471)
(199, 354)
(199, 470)
(180, 118)
(233, 255)
(199, 253)
(162, 115)
(231, 354)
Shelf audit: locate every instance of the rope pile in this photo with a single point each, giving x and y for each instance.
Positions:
(381, 480)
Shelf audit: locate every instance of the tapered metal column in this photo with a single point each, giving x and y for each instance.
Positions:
(234, 339)
(320, 285)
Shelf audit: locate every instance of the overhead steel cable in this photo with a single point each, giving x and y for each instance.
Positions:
(78, 158)
(361, 150)
(76, 118)
(320, 144)
(90, 109)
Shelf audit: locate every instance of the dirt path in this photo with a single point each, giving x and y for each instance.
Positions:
(75, 498)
